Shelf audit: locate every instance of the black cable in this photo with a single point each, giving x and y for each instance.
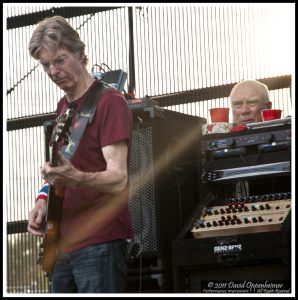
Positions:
(243, 159)
(23, 78)
(179, 200)
(258, 156)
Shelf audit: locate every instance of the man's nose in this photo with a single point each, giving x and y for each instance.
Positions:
(53, 70)
(245, 109)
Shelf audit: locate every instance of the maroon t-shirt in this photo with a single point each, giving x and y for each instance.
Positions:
(86, 219)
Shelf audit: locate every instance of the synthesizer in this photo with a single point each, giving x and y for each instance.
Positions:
(240, 216)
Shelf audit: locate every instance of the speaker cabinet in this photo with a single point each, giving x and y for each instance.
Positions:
(164, 176)
(258, 256)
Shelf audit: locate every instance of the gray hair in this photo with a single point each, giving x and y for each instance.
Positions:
(54, 33)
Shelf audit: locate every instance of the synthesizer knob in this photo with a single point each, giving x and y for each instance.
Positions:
(254, 219)
(267, 206)
(261, 198)
(274, 197)
(209, 212)
(250, 199)
(260, 218)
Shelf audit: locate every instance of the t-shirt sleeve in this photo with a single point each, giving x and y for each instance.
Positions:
(115, 118)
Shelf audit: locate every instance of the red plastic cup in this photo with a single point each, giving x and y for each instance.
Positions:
(219, 114)
(271, 114)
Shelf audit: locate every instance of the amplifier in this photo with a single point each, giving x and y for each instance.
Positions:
(246, 138)
(260, 256)
(244, 172)
(259, 151)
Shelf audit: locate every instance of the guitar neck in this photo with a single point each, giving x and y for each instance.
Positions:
(54, 155)
(55, 194)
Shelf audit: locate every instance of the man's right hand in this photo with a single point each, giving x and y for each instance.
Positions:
(36, 218)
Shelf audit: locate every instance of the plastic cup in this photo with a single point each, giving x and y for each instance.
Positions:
(271, 114)
(219, 114)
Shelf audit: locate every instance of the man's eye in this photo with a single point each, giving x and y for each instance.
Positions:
(59, 61)
(45, 65)
(253, 103)
(237, 104)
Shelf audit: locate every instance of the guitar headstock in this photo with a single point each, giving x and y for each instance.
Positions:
(61, 131)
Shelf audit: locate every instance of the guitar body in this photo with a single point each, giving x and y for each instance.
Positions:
(51, 241)
(50, 244)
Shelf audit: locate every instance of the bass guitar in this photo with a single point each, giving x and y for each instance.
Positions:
(49, 246)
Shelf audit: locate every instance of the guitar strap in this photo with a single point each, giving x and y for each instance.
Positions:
(83, 118)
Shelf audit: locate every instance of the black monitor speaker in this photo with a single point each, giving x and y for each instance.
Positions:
(164, 175)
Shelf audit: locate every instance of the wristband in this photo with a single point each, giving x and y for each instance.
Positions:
(43, 192)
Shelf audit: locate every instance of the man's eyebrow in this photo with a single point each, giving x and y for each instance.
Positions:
(56, 58)
(236, 102)
(253, 100)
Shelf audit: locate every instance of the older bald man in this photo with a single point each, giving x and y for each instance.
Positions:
(248, 98)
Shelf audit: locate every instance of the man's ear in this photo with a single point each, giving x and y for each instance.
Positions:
(269, 104)
(81, 56)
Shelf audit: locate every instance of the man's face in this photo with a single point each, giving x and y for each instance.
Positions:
(247, 101)
(62, 66)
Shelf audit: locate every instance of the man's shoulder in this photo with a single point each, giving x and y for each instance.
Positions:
(111, 94)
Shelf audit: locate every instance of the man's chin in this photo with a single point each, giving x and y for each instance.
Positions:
(62, 85)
